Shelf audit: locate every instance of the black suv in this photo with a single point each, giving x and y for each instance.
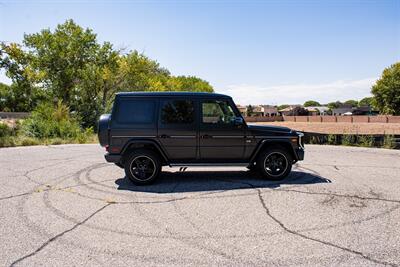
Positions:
(146, 131)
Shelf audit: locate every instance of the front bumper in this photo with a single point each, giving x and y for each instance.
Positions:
(115, 158)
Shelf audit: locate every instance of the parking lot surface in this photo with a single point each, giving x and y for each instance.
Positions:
(64, 206)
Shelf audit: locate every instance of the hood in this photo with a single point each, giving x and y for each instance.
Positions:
(273, 130)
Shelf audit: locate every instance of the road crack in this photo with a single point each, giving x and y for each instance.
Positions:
(54, 238)
(327, 243)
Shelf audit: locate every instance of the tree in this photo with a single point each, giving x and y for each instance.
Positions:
(386, 90)
(366, 101)
(283, 106)
(353, 103)
(68, 64)
(299, 111)
(333, 105)
(249, 110)
(311, 103)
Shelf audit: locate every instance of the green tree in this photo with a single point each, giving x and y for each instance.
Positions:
(68, 64)
(283, 106)
(249, 110)
(333, 105)
(366, 101)
(386, 90)
(311, 103)
(353, 103)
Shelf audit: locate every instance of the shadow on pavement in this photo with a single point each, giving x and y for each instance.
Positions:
(197, 181)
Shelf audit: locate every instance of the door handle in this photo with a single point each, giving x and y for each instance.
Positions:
(206, 136)
(164, 136)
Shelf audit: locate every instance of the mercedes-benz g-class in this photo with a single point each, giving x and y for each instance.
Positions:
(146, 131)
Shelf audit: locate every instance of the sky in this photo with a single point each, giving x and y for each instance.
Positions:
(259, 52)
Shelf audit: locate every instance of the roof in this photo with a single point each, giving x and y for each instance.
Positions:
(173, 94)
(317, 108)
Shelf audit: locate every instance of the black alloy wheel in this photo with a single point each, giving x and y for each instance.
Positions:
(142, 167)
(275, 163)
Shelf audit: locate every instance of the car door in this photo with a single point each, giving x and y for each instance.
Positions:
(177, 128)
(220, 138)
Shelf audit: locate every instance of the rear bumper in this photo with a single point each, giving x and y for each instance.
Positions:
(300, 153)
(112, 157)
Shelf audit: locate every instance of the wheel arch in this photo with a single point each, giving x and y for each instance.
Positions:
(269, 143)
(134, 144)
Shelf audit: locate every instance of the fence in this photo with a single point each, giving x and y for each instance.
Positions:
(332, 119)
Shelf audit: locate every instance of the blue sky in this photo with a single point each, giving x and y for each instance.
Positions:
(260, 52)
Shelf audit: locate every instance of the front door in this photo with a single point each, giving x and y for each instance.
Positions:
(220, 139)
(177, 129)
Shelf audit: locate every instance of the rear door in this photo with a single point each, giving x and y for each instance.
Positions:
(220, 139)
(177, 128)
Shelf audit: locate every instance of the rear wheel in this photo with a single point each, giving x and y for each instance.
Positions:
(142, 166)
(275, 163)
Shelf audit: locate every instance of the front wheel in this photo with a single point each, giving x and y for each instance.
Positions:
(142, 166)
(275, 163)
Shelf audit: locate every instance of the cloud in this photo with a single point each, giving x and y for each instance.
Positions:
(299, 93)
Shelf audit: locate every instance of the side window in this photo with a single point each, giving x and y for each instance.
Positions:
(177, 112)
(135, 111)
(217, 112)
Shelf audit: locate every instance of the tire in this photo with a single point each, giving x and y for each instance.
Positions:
(142, 166)
(119, 164)
(275, 163)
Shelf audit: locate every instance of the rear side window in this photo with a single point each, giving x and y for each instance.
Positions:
(177, 112)
(135, 111)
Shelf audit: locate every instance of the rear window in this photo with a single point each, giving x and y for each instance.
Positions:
(135, 111)
(177, 112)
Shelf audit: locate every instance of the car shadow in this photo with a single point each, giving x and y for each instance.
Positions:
(197, 181)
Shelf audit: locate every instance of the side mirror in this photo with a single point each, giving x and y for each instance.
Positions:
(238, 121)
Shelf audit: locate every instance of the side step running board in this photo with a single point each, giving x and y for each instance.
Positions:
(208, 164)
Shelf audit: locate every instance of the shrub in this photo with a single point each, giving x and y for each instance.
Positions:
(331, 139)
(348, 140)
(366, 140)
(47, 121)
(5, 130)
(389, 141)
(28, 141)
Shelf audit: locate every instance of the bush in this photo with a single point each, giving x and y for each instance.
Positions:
(5, 130)
(28, 141)
(331, 139)
(366, 140)
(389, 141)
(47, 121)
(348, 140)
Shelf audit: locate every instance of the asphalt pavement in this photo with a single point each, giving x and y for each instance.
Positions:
(65, 206)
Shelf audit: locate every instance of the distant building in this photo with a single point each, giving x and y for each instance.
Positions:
(317, 110)
(289, 110)
(242, 110)
(269, 111)
(341, 110)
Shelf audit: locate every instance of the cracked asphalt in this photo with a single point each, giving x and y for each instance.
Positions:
(64, 206)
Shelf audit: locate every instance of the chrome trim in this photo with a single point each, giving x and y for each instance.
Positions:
(228, 136)
(133, 136)
(182, 136)
(274, 136)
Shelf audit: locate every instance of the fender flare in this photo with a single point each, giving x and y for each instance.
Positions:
(265, 142)
(145, 141)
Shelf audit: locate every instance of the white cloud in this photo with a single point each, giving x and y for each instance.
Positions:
(299, 93)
